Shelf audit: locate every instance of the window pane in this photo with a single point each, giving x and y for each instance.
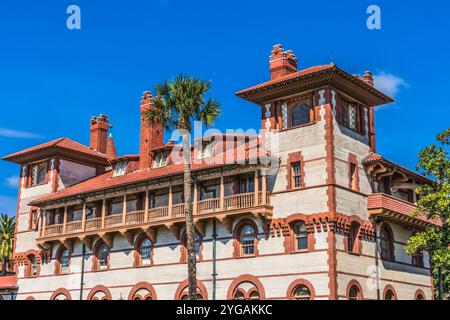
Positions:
(302, 293)
(300, 115)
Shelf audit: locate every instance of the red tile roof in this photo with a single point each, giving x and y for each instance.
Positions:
(107, 181)
(63, 144)
(8, 282)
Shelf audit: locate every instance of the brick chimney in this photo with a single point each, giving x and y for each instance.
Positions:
(282, 62)
(99, 131)
(368, 78)
(151, 136)
(111, 150)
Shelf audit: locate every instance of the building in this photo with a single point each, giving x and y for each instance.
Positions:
(327, 220)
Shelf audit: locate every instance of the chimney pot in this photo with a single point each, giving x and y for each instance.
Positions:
(282, 62)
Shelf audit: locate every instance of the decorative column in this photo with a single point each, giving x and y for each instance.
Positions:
(170, 202)
(195, 206)
(222, 193)
(264, 187)
(256, 183)
(103, 212)
(124, 209)
(83, 217)
(65, 220)
(44, 223)
(146, 205)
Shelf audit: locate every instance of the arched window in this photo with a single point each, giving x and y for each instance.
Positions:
(301, 292)
(387, 243)
(353, 238)
(198, 247)
(247, 240)
(182, 292)
(354, 293)
(300, 115)
(63, 261)
(419, 295)
(246, 291)
(32, 269)
(145, 252)
(102, 256)
(389, 295)
(301, 236)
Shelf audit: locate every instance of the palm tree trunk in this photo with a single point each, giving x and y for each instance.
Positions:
(3, 272)
(190, 227)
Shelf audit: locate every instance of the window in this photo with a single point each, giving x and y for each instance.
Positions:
(254, 295)
(32, 266)
(198, 246)
(349, 115)
(103, 257)
(120, 168)
(145, 251)
(301, 236)
(160, 160)
(417, 259)
(419, 295)
(185, 294)
(389, 295)
(64, 261)
(246, 291)
(353, 177)
(296, 174)
(300, 115)
(386, 243)
(247, 240)
(353, 238)
(38, 173)
(354, 293)
(302, 292)
(33, 220)
(206, 151)
(247, 185)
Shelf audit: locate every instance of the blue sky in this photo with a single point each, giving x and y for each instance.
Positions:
(52, 80)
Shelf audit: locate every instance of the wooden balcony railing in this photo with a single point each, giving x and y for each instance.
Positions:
(159, 214)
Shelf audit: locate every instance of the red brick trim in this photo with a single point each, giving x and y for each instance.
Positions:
(95, 261)
(353, 159)
(391, 288)
(236, 237)
(183, 285)
(99, 288)
(289, 239)
(300, 282)
(292, 158)
(183, 248)
(419, 292)
(246, 278)
(30, 298)
(137, 251)
(59, 252)
(62, 291)
(363, 232)
(142, 285)
(55, 176)
(350, 285)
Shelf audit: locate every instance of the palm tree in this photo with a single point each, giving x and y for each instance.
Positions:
(7, 227)
(177, 104)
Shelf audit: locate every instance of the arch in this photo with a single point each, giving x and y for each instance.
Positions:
(300, 115)
(183, 285)
(387, 242)
(183, 246)
(353, 238)
(32, 259)
(95, 251)
(246, 278)
(30, 298)
(142, 285)
(296, 284)
(388, 289)
(137, 250)
(61, 291)
(237, 233)
(97, 289)
(355, 284)
(420, 295)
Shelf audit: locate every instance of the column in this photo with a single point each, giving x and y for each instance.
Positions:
(195, 206)
(44, 222)
(124, 209)
(65, 220)
(222, 193)
(146, 205)
(256, 183)
(103, 212)
(83, 216)
(264, 187)
(170, 202)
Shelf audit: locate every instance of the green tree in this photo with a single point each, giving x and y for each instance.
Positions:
(434, 162)
(177, 104)
(7, 227)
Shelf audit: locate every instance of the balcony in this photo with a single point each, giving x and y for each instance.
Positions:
(387, 207)
(171, 216)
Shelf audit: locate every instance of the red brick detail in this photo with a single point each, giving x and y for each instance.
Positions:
(236, 237)
(95, 262)
(183, 248)
(289, 239)
(246, 278)
(60, 291)
(97, 289)
(354, 283)
(137, 251)
(353, 160)
(391, 288)
(182, 290)
(282, 62)
(59, 252)
(142, 285)
(99, 131)
(292, 158)
(372, 135)
(419, 293)
(297, 283)
(55, 175)
(151, 136)
(30, 298)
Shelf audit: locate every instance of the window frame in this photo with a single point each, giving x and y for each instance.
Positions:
(303, 236)
(387, 254)
(237, 235)
(44, 165)
(296, 107)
